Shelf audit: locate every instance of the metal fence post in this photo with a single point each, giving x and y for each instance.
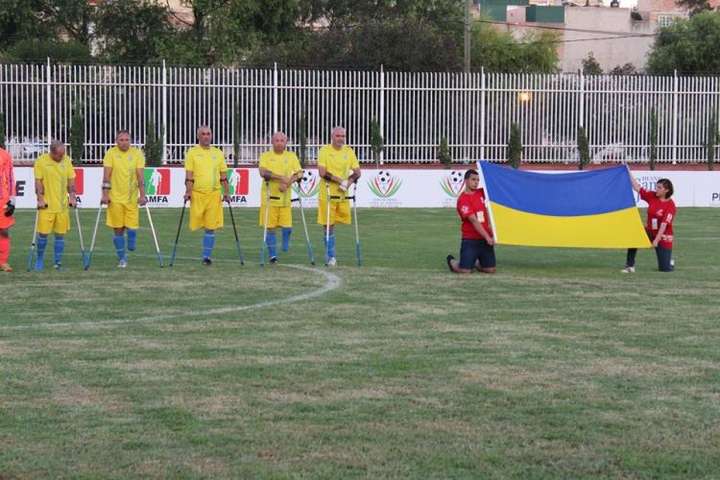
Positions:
(482, 113)
(164, 112)
(48, 104)
(675, 117)
(275, 97)
(382, 111)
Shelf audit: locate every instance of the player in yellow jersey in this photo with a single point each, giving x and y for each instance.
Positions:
(280, 169)
(123, 189)
(338, 168)
(55, 190)
(206, 187)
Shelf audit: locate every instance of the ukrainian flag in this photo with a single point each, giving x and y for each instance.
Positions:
(594, 209)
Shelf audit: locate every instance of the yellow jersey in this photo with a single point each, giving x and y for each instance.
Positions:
(55, 177)
(339, 163)
(206, 164)
(123, 182)
(285, 164)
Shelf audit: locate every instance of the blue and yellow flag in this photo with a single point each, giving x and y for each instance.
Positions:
(594, 209)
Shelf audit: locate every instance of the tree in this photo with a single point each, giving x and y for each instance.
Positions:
(302, 137)
(397, 44)
(377, 144)
(77, 133)
(583, 148)
(712, 140)
(653, 138)
(236, 136)
(514, 147)
(131, 31)
(694, 6)
(444, 153)
(500, 52)
(626, 69)
(38, 51)
(688, 46)
(153, 145)
(590, 66)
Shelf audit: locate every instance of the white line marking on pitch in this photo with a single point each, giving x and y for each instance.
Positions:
(332, 283)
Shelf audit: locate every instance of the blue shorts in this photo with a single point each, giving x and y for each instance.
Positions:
(472, 250)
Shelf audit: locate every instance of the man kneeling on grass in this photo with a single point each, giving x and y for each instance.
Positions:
(476, 247)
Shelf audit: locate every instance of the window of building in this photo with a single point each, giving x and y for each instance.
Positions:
(665, 20)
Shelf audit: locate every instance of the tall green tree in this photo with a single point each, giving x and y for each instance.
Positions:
(514, 147)
(590, 65)
(712, 141)
(695, 6)
(500, 52)
(153, 147)
(653, 139)
(688, 46)
(77, 132)
(132, 31)
(583, 148)
(397, 44)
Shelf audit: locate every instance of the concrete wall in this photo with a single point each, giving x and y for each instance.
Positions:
(608, 52)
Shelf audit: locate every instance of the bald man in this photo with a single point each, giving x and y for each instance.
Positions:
(206, 187)
(338, 167)
(55, 190)
(279, 170)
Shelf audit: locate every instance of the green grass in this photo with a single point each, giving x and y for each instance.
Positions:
(556, 367)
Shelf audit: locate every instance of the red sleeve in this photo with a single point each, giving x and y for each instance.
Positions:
(11, 176)
(464, 206)
(646, 195)
(669, 214)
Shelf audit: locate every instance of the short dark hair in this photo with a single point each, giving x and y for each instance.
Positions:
(470, 173)
(665, 182)
(122, 131)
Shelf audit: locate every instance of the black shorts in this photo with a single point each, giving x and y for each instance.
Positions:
(472, 250)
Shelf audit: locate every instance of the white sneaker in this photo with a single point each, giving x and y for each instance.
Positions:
(628, 270)
(122, 264)
(331, 262)
(672, 262)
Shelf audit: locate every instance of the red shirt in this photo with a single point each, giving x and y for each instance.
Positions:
(659, 212)
(7, 179)
(469, 204)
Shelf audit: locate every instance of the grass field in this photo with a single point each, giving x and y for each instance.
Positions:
(557, 367)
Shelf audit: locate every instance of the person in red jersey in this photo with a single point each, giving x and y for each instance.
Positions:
(476, 246)
(7, 208)
(659, 227)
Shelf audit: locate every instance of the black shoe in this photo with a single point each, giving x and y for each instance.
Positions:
(449, 259)
(207, 261)
(273, 260)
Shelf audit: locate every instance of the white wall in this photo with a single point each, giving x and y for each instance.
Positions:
(378, 188)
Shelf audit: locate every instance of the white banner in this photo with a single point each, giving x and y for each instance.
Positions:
(393, 188)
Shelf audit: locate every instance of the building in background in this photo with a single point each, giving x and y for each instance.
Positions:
(616, 32)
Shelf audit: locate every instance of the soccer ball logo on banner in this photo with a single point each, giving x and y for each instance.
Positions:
(308, 186)
(452, 184)
(384, 184)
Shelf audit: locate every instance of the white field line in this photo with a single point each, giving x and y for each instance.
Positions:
(332, 282)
